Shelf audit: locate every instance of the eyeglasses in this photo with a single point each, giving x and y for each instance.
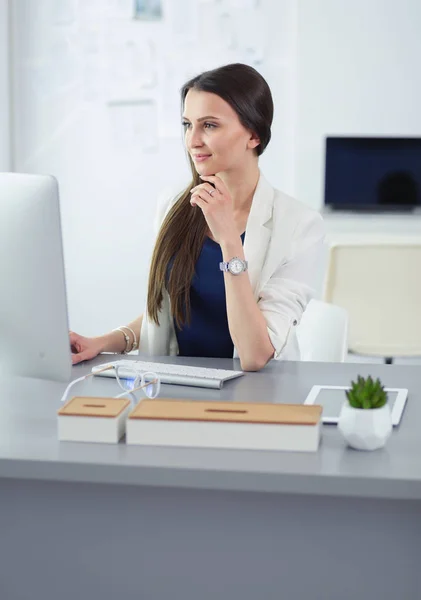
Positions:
(129, 380)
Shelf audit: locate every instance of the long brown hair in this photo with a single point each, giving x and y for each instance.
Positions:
(184, 229)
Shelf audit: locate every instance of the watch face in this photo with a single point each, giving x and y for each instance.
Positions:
(235, 266)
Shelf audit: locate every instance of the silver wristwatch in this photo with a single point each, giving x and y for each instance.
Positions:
(235, 266)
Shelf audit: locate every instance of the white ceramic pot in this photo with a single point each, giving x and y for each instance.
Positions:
(365, 429)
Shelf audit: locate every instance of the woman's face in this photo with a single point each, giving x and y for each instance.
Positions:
(214, 136)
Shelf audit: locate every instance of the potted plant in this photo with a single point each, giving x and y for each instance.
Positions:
(365, 420)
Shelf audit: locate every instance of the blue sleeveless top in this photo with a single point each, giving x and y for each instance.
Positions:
(208, 333)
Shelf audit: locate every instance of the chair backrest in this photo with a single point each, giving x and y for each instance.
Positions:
(379, 284)
(323, 332)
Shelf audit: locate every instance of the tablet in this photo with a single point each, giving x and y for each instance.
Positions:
(332, 397)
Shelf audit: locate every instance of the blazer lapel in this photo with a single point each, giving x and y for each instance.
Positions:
(258, 231)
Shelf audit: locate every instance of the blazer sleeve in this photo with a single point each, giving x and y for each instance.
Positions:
(284, 298)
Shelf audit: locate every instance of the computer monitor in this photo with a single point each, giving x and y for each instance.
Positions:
(373, 173)
(34, 332)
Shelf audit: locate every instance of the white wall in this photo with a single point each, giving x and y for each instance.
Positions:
(359, 72)
(5, 157)
(70, 59)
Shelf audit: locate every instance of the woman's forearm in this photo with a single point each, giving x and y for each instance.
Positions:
(246, 323)
(115, 340)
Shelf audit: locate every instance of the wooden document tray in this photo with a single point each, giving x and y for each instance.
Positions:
(210, 424)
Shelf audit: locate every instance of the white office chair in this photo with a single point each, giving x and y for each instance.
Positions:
(379, 284)
(323, 333)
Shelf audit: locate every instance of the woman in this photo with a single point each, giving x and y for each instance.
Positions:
(234, 260)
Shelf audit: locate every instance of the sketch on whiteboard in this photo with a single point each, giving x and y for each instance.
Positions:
(133, 125)
(118, 9)
(182, 18)
(89, 42)
(226, 31)
(148, 10)
(131, 67)
(251, 37)
(55, 72)
(91, 11)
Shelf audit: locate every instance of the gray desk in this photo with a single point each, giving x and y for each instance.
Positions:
(103, 521)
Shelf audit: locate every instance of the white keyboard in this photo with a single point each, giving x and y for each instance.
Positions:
(174, 374)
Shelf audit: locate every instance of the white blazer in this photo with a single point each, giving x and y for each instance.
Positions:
(284, 247)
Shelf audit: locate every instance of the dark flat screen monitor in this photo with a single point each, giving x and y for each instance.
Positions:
(373, 173)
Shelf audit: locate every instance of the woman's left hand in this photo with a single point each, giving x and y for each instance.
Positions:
(217, 207)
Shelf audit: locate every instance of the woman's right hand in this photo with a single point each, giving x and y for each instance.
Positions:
(83, 348)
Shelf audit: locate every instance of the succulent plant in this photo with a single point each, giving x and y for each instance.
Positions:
(366, 393)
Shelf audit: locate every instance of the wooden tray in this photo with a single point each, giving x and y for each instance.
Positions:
(239, 412)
